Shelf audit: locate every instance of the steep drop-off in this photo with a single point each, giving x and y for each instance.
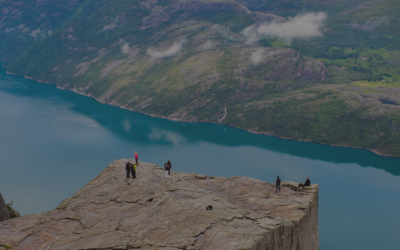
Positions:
(154, 212)
(191, 60)
(6, 211)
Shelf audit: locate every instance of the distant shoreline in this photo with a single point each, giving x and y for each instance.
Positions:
(158, 116)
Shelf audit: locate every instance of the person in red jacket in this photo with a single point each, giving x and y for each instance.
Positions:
(136, 157)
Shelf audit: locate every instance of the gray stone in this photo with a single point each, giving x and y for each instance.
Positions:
(4, 211)
(154, 212)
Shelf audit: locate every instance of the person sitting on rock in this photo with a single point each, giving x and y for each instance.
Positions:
(278, 184)
(306, 184)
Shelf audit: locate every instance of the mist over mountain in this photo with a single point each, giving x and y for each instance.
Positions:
(322, 71)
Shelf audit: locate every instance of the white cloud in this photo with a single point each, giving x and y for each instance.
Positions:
(176, 47)
(257, 56)
(9, 30)
(114, 24)
(125, 48)
(207, 45)
(371, 24)
(110, 26)
(35, 33)
(300, 26)
(126, 125)
(165, 135)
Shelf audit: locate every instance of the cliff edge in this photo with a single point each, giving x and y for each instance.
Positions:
(6, 211)
(154, 212)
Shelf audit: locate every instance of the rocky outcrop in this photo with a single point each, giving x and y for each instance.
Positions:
(204, 5)
(154, 212)
(162, 14)
(286, 64)
(6, 211)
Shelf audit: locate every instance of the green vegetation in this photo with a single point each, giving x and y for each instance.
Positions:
(324, 117)
(274, 42)
(190, 63)
(11, 209)
(374, 64)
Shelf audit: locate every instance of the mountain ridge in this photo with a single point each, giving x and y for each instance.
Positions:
(191, 61)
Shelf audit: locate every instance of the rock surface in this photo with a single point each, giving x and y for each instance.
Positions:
(4, 211)
(154, 212)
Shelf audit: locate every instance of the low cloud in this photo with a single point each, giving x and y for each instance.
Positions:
(175, 49)
(110, 26)
(20, 28)
(300, 26)
(207, 45)
(257, 56)
(125, 48)
(118, 21)
(166, 136)
(126, 125)
(371, 24)
(35, 33)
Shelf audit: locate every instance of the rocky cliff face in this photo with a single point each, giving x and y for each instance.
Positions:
(205, 61)
(155, 56)
(154, 212)
(4, 211)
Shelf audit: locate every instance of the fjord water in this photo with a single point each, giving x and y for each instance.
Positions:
(52, 142)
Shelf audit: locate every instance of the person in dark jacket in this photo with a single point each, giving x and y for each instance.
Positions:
(306, 184)
(129, 169)
(278, 184)
(169, 167)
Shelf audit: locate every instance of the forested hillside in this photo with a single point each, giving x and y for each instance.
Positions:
(322, 71)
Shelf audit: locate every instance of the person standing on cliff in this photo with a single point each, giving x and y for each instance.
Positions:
(278, 184)
(129, 169)
(136, 157)
(166, 169)
(306, 184)
(169, 167)
(134, 171)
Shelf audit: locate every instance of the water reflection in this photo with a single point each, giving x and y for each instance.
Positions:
(52, 142)
(176, 133)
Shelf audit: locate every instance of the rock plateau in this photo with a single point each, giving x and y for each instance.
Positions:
(154, 212)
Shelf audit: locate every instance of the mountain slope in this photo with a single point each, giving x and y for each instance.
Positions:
(190, 60)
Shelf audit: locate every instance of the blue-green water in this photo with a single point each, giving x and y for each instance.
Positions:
(52, 142)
